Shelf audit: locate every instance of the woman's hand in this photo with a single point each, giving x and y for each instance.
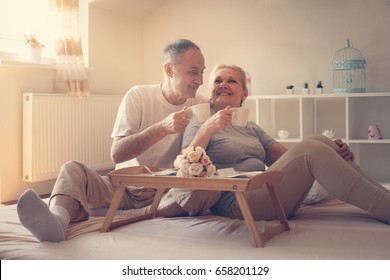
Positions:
(219, 120)
(344, 150)
(215, 123)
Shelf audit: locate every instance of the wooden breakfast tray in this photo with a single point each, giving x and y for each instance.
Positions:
(141, 176)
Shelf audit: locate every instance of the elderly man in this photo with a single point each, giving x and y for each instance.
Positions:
(148, 131)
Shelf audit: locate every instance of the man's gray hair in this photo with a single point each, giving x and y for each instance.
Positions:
(173, 51)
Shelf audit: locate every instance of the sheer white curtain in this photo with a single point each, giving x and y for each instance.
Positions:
(69, 52)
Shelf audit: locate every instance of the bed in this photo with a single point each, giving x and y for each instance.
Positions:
(326, 230)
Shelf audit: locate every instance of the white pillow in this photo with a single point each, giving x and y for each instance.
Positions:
(316, 194)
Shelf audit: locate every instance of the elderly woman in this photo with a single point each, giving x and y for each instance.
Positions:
(247, 148)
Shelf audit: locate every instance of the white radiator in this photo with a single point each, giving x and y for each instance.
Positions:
(58, 128)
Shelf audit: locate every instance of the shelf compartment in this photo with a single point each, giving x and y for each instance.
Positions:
(330, 113)
(276, 114)
(365, 111)
(373, 158)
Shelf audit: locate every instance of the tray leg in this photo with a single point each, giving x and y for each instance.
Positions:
(248, 218)
(278, 206)
(113, 206)
(108, 221)
(259, 239)
(283, 226)
(156, 201)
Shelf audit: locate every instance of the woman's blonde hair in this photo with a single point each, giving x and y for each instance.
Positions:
(239, 70)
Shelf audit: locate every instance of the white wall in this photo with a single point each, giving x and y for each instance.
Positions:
(115, 53)
(278, 42)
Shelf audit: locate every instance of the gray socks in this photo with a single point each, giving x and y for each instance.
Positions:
(47, 224)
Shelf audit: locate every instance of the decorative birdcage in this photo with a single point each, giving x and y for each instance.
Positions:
(349, 73)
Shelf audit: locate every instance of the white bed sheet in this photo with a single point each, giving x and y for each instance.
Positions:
(328, 230)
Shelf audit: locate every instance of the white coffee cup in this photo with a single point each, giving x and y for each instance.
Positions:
(240, 116)
(201, 112)
(283, 133)
(328, 133)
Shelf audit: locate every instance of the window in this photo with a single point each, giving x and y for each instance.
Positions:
(25, 17)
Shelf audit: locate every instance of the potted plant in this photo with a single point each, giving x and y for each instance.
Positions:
(290, 89)
(32, 41)
(305, 89)
(34, 48)
(319, 88)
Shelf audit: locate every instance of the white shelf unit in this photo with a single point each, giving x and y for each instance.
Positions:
(347, 114)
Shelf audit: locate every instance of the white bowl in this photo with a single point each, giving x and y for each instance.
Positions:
(283, 134)
(328, 133)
